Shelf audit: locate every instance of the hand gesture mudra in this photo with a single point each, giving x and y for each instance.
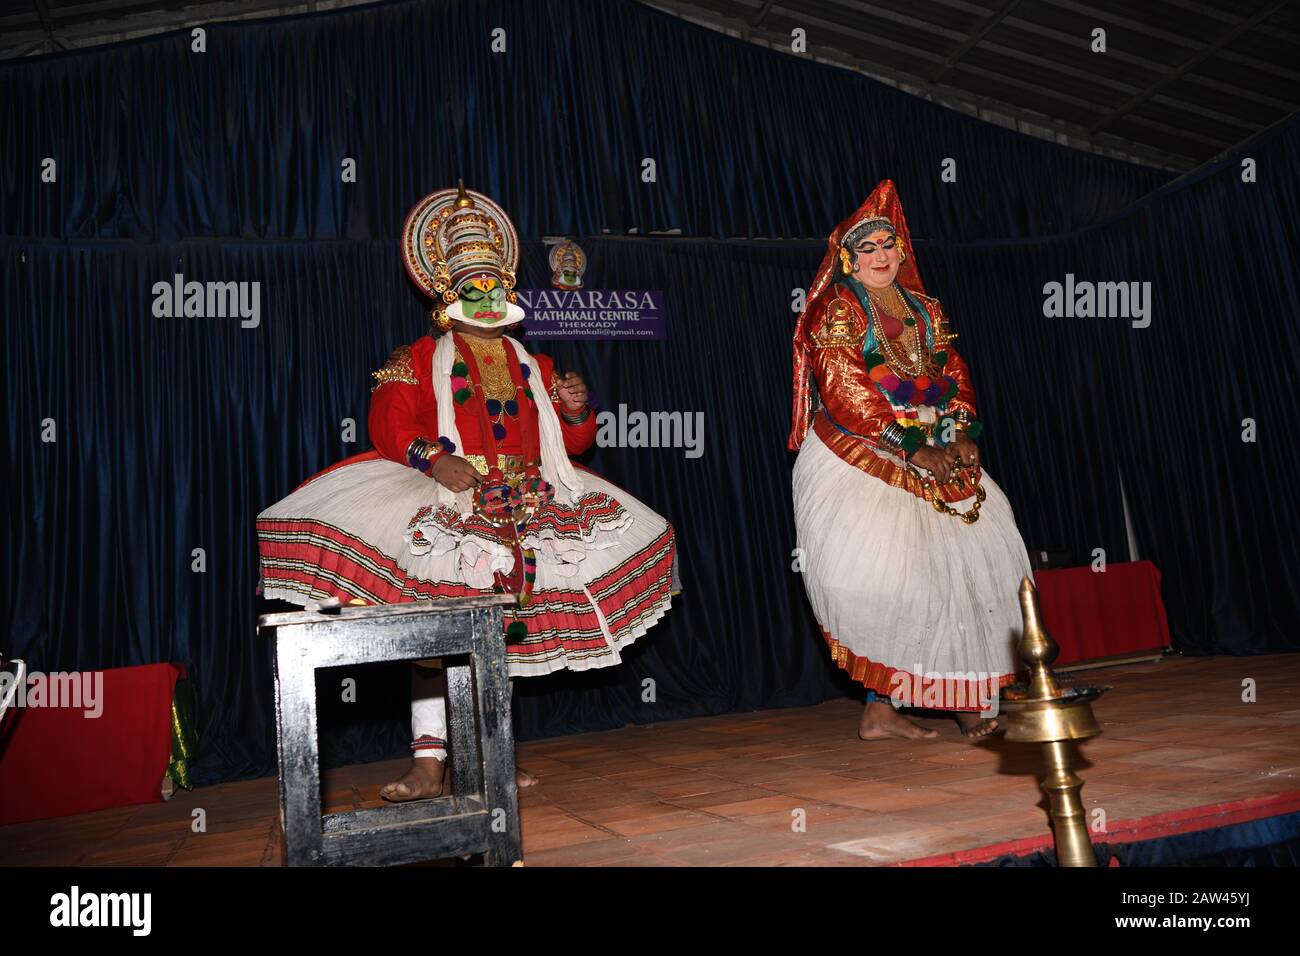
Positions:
(572, 391)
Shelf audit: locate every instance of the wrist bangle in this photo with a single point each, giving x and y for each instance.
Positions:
(963, 422)
(966, 422)
(577, 419)
(893, 434)
(421, 453)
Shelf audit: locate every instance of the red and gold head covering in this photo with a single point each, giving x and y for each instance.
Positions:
(883, 203)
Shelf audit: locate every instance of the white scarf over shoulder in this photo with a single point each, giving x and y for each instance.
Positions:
(556, 467)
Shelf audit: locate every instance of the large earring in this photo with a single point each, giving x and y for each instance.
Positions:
(441, 320)
(845, 263)
(902, 255)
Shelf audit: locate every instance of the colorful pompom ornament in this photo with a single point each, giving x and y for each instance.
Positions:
(459, 370)
(493, 407)
(890, 382)
(497, 500)
(913, 438)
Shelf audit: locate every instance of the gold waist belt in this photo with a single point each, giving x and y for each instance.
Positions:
(512, 466)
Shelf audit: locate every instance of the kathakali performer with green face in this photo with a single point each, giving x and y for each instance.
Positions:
(470, 489)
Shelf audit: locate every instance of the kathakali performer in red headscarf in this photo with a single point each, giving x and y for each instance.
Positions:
(470, 489)
(910, 552)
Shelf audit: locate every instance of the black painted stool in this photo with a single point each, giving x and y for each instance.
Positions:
(482, 813)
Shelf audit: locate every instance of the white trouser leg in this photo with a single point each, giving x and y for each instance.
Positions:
(428, 711)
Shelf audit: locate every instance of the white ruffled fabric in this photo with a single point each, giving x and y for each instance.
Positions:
(390, 507)
(441, 530)
(901, 584)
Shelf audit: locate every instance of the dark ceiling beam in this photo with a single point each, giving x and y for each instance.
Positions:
(1098, 80)
(1071, 39)
(1077, 103)
(803, 15)
(1235, 33)
(834, 28)
(151, 20)
(1272, 102)
(762, 14)
(23, 51)
(961, 100)
(1109, 18)
(973, 40)
(1037, 61)
(42, 9)
(1203, 10)
(1232, 56)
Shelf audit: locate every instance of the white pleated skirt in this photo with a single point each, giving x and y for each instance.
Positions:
(909, 599)
(368, 530)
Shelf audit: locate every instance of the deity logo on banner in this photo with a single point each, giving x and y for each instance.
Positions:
(568, 263)
(568, 311)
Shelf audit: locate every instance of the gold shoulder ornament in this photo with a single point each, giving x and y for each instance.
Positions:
(839, 326)
(398, 368)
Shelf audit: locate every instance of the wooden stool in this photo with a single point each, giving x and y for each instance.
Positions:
(482, 813)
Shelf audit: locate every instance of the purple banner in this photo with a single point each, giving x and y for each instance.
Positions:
(594, 314)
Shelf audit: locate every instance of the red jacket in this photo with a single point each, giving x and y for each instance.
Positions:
(403, 408)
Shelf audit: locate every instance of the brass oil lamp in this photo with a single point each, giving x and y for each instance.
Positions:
(1046, 712)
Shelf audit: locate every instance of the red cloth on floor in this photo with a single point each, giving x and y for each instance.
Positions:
(57, 761)
(1100, 614)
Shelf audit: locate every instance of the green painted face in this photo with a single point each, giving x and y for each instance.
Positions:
(483, 299)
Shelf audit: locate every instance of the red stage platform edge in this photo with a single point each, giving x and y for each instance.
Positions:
(59, 761)
(1154, 827)
(1095, 614)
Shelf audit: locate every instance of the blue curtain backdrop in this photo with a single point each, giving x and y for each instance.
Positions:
(158, 143)
(172, 434)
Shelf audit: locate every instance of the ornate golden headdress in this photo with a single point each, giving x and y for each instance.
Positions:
(453, 235)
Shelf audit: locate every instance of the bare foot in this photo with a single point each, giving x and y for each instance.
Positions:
(974, 726)
(880, 720)
(524, 779)
(421, 782)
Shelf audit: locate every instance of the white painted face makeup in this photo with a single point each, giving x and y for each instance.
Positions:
(878, 259)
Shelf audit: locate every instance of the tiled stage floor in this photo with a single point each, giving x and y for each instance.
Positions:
(730, 790)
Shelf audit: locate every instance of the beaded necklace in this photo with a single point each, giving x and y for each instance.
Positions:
(468, 378)
(915, 361)
(492, 379)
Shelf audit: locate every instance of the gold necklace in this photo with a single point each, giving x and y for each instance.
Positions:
(493, 368)
(888, 296)
(914, 363)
